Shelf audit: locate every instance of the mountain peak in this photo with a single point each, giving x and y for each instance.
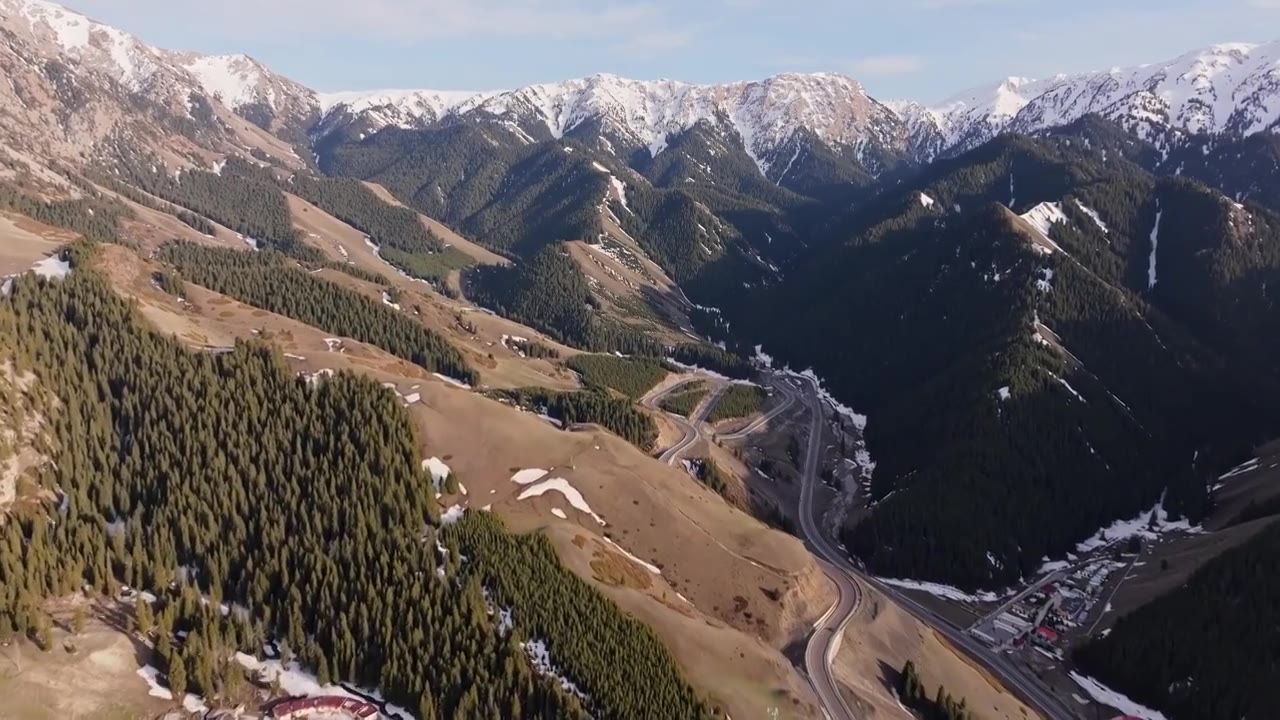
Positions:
(1224, 88)
(644, 113)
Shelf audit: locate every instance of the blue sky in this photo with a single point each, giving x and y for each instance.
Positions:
(916, 49)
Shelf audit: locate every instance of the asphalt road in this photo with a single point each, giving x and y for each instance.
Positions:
(837, 565)
(688, 426)
(825, 641)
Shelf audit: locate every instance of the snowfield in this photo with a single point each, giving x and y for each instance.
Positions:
(942, 591)
(1149, 525)
(1105, 695)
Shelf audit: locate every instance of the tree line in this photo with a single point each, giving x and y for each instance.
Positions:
(614, 414)
(266, 280)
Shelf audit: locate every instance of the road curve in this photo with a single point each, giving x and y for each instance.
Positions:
(688, 426)
(825, 641)
(1028, 689)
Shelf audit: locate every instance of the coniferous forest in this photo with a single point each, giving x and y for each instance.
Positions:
(266, 280)
(633, 377)
(686, 399)
(594, 406)
(549, 292)
(736, 402)
(302, 502)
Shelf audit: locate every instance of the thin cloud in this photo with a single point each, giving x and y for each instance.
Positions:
(882, 65)
(657, 41)
(403, 20)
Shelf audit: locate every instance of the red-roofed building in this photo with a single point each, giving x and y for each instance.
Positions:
(1047, 634)
(328, 705)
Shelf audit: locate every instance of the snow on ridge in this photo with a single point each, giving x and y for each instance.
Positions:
(1043, 217)
(1221, 88)
(926, 201)
(765, 113)
(1093, 214)
(233, 79)
(1070, 389)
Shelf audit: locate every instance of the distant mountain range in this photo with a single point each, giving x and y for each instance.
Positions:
(783, 123)
(1222, 89)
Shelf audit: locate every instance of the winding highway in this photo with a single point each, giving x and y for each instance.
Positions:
(824, 643)
(849, 580)
(688, 426)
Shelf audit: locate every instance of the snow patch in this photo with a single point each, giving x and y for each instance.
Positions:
(1241, 469)
(1070, 389)
(1148, 525)
(942, 591)
(540, 656)
(1043, 217)
(452, 381)
(1105, 695)
(559, 513)
(151, 675)
(1094, 215)
(566, 489)
(647, 566)
(926, 201)
(529, 476)
(294, 680)
(439, 472)
(52, 267)
(452, 515)
(1004, 393)
(1155, 242)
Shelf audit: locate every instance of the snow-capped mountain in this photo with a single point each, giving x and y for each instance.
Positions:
(1232, 89)
(631, 115)
(271, 101)
(77, 85)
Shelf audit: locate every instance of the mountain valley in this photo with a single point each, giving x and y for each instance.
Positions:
(313, 346)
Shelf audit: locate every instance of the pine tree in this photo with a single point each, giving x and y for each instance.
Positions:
(143, 619)
(177, 675)
(427, 706)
